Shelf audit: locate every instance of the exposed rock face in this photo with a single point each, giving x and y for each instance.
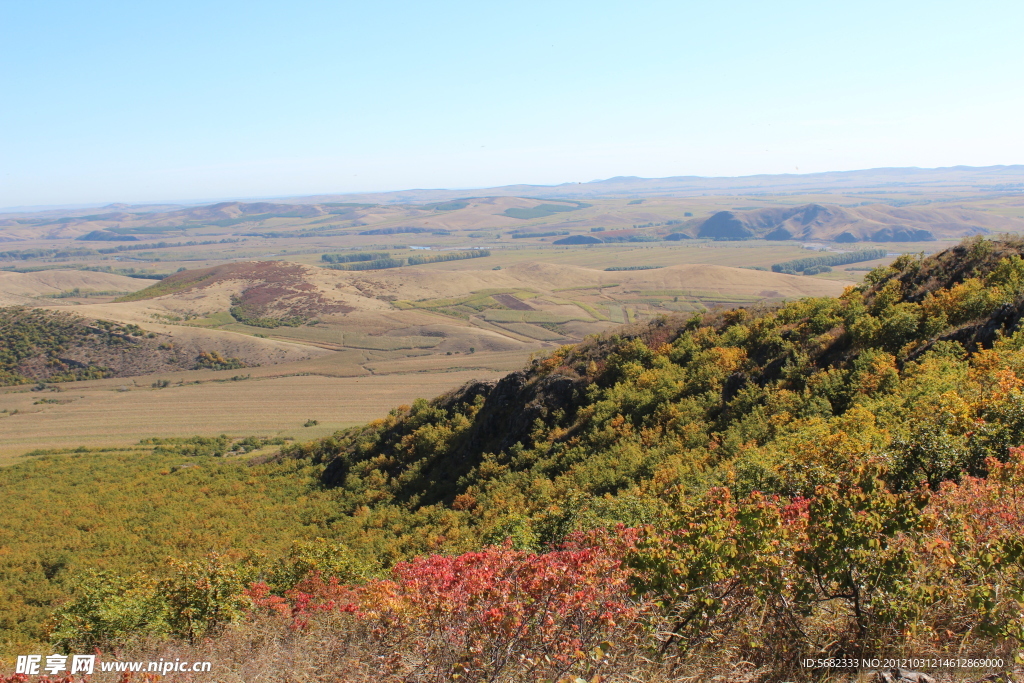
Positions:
(512, 406)
(1004, 322)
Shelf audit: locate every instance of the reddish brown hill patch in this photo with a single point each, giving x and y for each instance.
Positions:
(266, 288)
(512, 302)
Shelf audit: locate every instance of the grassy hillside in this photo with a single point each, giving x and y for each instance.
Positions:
(831, 477)
(877, 223)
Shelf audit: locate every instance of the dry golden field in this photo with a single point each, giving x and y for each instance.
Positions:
(270, 401)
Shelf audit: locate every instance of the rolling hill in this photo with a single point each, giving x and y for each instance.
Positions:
(315, 219)
(46, 345)
(828, 222)
(509, 207)
(267, 312)
(276, 290)
(29, 289)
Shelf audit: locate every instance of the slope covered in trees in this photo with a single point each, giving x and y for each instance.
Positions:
(833, 477)
(718, 397)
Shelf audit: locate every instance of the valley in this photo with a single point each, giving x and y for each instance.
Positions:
(266, 288)
(326, 410)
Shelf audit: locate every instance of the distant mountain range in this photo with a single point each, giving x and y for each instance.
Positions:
(873, 181)
(987, 178)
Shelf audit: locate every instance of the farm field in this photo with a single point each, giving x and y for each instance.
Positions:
(119, 413)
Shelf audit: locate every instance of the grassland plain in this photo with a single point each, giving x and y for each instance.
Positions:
(338, 390)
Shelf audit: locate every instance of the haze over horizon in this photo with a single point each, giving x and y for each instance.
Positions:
(120, 102)
(911, 178)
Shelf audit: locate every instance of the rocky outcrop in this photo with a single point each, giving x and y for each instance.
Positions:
(512, 409)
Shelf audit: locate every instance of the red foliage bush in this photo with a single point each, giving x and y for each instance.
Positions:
(480, 612)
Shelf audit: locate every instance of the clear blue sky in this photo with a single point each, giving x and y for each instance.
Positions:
(134, 101)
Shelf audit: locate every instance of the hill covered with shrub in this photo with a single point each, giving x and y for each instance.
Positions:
(38, 345)
(728, 397)
(741, 489)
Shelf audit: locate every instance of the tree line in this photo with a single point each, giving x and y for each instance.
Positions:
(802, 265)
(379, 261)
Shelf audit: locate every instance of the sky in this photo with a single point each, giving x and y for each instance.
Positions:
(107, 101)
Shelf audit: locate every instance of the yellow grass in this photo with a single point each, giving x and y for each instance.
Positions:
(109, 413)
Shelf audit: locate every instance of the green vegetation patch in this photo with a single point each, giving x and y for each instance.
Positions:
(38, 253)
(542, 210)
(812, 265)
(448, 256)
(176, 283)
(358, 340)
(127, 511)
(591, 310)
(78, 293)
(249, 315)
(211, 360)
(533, 331)
(166, 245)
(376, 264)
(354, 257)
(506, 316)
(464, 306)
